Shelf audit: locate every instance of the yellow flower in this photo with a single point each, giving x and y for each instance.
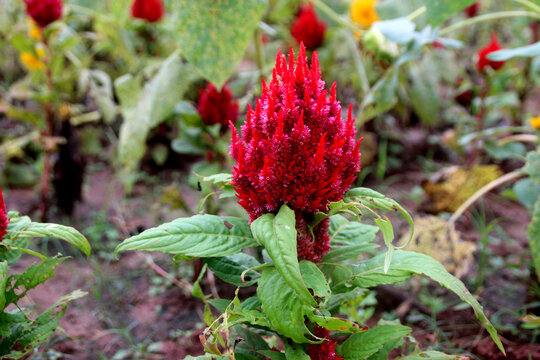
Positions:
(31, 61)
(535, 122)
(40, 51)
(34, 31)
(363, 12)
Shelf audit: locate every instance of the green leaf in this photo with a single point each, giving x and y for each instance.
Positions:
(415, 263)
(348, 239)
(438, 11)
(213, 35)
(230, 268)
(30, 334)
(199, 236)
(534, 236)
(374, 200)
(146, 108)
(15, 226)
(431, 355)
(19, 284)
(336, 324)
(505, 151)
(364, 344)
(532, 50)
(277, 233)
(423, 91)
(533, 166)
(527, 191)
(383, 354)
(3, 284)
(282, 305)
(295, 352)
(62, 232)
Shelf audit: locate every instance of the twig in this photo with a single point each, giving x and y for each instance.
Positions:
(487, 188)
(184, 285)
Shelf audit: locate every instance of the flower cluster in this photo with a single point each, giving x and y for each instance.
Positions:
(473, 10)
(149, 10)
(44, 12)
(4, 221)
(324, 351)
(217, 107)
(483, 62)
(307, 28)
(296, 149)
(363, 12)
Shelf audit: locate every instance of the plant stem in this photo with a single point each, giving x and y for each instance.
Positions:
(487, 188)
(528, 138)
(489, 17)
(416, 13)
(332, 14)
(358, 63)
(529, 5)
(28, 251)
(259, 54)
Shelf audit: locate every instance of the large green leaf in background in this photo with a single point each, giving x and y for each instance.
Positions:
(533, 169)
(438, 11)
(213, 35)
(145, 108)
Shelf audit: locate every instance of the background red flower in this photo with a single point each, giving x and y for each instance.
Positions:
(44, 12)
(483, 61)
(217, 107)
(149, 10)
(307, 28)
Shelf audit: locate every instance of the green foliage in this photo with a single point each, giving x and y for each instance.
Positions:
(440, 10)
(523, 51)
(367, 343)
(65, 233)
(200, 235)
(234, 269)
(213, 35)
(145, 108)
(533, 169)
(277, 233)
(404, 264)
(282, 305)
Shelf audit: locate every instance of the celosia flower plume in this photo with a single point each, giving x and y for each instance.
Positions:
(296, 149)
(4, 221)
(473, 10)
(325, 350)
(363, 12)
(483, 62)
(149, 10)
(307, 28)
(217, 107)
(44, 12)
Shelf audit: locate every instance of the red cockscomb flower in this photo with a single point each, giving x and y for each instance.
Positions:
(296, 149)
(307, 28)
(217, 107)
(482, 61)
(472, 11)
(3, 217)
(149, 10)
(324, 351)
(44, 12)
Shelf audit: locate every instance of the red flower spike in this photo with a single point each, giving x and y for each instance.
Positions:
(301, 153)
(4, 221)
(149, 10)
(307, 28)
(473, 10)
(217, 107)
(44, 12)
(325, 350)
(483, 62)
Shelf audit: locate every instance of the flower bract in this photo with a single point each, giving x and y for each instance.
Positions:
(4, 221)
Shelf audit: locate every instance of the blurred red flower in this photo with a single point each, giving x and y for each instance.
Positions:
(473, 10)
(217, 107)
(325, 350)
(307, 28)
(482, 61)
(149, 10)
(296, 149)
(44, 12)
(3, 217)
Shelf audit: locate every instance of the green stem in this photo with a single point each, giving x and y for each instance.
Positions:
(358, 63)
(416, 13)
(31, 252)
(532, 6)
(489, 17)
(332, 14)
(259, 52)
